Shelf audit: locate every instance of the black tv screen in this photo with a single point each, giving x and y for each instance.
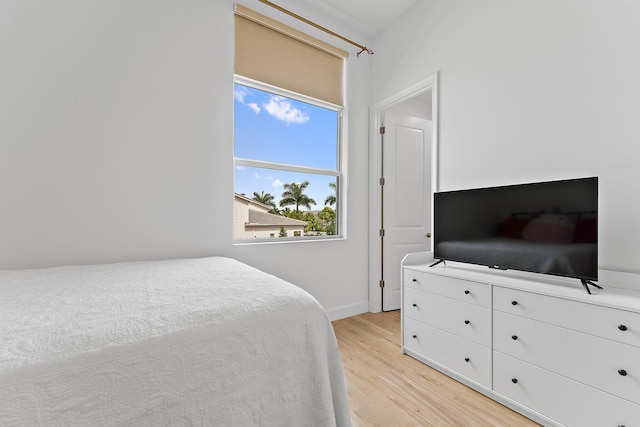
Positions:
(545, 227)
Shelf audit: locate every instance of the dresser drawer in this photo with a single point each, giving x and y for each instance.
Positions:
(462, 356)
(618, 325)
(463, 290)
(607, 365)
(566, 401)
(468, 321)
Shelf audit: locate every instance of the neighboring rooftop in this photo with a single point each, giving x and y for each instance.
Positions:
(253, 202)
(259, 218)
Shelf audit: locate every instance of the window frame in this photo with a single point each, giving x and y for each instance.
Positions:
(338, 173)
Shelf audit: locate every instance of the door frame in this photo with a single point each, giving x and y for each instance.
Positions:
(375, 157)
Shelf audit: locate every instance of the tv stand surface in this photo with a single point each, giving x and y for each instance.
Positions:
(528, 341)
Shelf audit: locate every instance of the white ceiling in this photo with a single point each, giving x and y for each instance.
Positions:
(367, 17)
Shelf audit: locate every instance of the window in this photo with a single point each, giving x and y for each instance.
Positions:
(286, 158)
(288, 97)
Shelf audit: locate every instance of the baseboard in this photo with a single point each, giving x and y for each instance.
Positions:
(348, 310)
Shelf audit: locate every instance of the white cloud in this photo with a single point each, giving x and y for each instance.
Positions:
(260, 176)
(277, 183)
(240, 167)
(254, 107)
(240, 94)
(284, 111)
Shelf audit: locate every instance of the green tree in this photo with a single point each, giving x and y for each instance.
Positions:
(283, 232)
(327, 218)
(292, 214)
(331, 199)
(313, 224)
(294, 195)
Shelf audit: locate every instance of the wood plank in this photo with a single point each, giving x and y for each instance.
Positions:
(388, 388)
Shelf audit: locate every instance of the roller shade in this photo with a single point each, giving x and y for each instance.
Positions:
(273, 53)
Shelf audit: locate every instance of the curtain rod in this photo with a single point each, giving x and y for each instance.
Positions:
(320, 27)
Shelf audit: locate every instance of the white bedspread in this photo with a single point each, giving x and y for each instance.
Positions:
(207, 342)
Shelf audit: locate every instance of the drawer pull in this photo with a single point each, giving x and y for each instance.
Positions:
(622, 327)
(466, 359)
(466, 322)
(514, 380)
(415, 336)
(414, 280)
(414, 304)
(514, 337)
(622, 372)
(514, 302)
(467, 292)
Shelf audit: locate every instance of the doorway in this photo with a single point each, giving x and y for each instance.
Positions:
(403, 178)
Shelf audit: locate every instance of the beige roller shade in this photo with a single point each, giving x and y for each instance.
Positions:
(276, 54)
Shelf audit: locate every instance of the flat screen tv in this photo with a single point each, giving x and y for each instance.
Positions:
(544, 227)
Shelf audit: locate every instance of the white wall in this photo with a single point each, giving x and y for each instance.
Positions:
(529, 91)
(116, 143)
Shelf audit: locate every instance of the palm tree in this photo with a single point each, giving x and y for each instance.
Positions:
(266, 199)
(331, 200)
(294, 195)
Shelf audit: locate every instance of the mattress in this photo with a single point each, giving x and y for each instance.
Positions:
(207, 341)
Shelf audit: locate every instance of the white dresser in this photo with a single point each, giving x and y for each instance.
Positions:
(538, 344)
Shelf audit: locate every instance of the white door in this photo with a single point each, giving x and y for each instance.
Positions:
(406, 206)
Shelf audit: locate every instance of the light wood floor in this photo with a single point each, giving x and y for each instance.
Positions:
(388, 388)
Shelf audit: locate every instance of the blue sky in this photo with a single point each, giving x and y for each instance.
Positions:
(274, 128)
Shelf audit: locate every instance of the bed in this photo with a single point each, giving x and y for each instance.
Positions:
(208, 341)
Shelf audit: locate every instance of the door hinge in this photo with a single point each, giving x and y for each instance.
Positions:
(382, 283)
(381, 181)
(382, 129)
(382, 232)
